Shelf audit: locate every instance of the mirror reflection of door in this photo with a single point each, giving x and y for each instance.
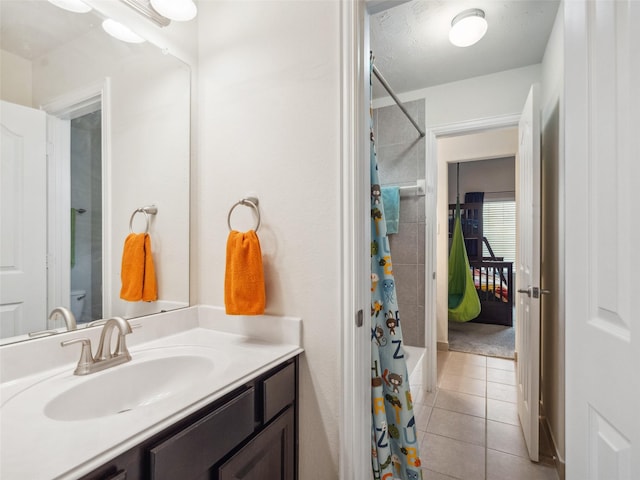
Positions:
(85, 248)
(23, 213)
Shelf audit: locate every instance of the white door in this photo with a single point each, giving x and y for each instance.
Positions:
(602, 153)
(23, 220)
(528, 271)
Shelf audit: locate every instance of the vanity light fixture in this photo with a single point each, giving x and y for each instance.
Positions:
(468, 27)
(76, 6)
(178, 10)
(121, 32)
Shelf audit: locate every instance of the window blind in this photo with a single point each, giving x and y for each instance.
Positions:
(499, 224)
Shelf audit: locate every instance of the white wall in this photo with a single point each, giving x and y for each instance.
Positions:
(269, 102)
(15, 79)
(496, 177)
(501, 93)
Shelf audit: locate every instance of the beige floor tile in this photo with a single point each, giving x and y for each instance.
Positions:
(458, 443)
(461, 403)
(431, 475)
(422, 413)
(506, 438)
(457, 459)
(505, 412)
(470, 358)
(466, 370)
(458, 383)
(501, 363)
(502, 466)
(420, 396)
(440, 373)
(443, 357)
(500, 391)
(501, 376)
(457, 426)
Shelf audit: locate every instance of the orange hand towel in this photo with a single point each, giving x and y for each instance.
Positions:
(244, 292)
(138, 272)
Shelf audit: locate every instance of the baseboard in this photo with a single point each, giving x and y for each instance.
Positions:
(545, 430)
(443, 346)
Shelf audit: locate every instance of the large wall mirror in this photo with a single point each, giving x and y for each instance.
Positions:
(93, 130)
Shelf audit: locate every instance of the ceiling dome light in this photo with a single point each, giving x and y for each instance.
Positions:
(179, 10)
(467, 28)
(121, 32)
(76, 6)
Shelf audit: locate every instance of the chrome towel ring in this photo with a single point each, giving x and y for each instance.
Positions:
(148, 210)
(247, 202)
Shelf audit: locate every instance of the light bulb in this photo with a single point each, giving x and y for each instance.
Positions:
(179, 10)
(468, 28)
(121, 32)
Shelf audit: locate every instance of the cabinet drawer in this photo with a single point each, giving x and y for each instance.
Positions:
(267, 456)
(192, 451)
(279, 390)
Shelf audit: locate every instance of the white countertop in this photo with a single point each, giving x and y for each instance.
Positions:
(34, 446)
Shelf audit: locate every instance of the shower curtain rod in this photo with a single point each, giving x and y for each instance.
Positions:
(386, 86)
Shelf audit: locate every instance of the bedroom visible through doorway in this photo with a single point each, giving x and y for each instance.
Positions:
(487, 198)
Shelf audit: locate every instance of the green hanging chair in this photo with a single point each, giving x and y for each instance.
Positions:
(464, 304)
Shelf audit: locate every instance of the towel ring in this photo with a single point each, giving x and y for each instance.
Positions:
(248, 202)
(149, 210)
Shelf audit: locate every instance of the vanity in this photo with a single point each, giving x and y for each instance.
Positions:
(249, 433)
(205, 395)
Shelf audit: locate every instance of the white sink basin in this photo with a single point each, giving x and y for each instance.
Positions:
(128, 387)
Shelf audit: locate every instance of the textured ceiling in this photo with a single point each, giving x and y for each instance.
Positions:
(411, 45)
(32, 28)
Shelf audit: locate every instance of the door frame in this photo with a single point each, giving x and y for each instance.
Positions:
(67, 107)
(355, 349)
(450, 130)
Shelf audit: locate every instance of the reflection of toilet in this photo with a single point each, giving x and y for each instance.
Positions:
(77, 303)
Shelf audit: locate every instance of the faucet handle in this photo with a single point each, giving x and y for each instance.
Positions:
(42, 333)
(96, 323)
(86, 358)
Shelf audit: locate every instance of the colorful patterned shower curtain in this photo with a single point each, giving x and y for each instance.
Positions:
(395, 443)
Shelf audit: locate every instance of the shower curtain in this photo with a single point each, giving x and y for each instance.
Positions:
(395, 443)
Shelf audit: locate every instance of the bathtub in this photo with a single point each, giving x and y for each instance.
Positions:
(413, 356)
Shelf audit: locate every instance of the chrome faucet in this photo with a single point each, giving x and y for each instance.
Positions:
(69, 320)
(104, 357)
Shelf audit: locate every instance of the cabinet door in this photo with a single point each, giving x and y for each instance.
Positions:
(191, 452)
(269, 456)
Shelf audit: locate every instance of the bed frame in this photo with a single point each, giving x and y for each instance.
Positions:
(496, 304)
(492, 270)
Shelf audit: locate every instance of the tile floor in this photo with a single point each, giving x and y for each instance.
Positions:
(469, 427)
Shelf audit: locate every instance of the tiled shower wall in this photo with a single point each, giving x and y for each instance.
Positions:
(86, 193)
(401, 157)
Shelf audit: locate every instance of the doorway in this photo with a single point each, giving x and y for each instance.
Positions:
(86, 216)
(485, 189)
(486, 154)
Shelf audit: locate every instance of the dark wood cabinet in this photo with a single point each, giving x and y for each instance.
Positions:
(270, 455)
(248, 434)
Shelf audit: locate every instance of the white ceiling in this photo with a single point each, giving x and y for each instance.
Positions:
(410, 41)
(32, 28)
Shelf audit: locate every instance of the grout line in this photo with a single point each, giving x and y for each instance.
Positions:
(486, 420)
